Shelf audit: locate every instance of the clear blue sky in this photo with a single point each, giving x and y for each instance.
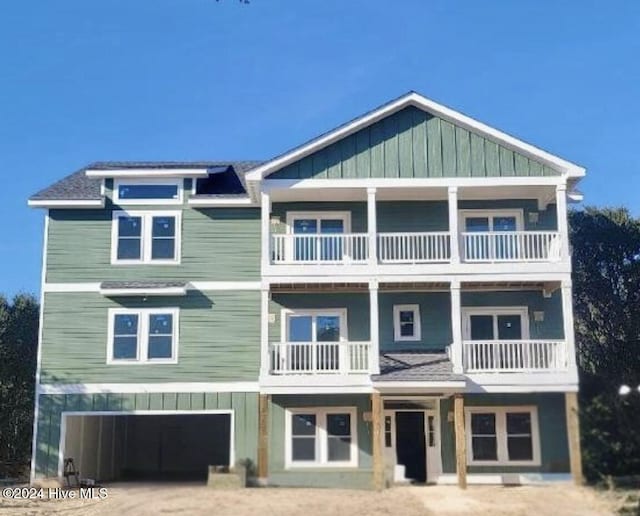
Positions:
(198, 79)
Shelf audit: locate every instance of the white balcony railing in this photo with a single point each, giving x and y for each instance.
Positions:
(498, 356)
(414, 247)
(327, 248)
(292, 358)
(511, 246)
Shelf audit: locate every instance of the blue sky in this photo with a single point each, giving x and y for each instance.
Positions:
(199, 79)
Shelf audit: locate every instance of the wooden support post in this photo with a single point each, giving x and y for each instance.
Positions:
(263, 438)
(378, 457)
(461, 440)
(573, 434)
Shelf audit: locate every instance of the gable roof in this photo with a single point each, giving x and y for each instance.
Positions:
(416, 100)
(78, 186)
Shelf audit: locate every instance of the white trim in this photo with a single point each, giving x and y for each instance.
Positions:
(285, 313)
(194, 285)
(72, 203)
(506, 478)
(148, 172)
(146, 218)
(65, 414)
(495, 311)
(530, 385)
(518, 213)
(500, 413)
(415, 99)
(321, 438)
(221, 202)
(146, 292)
(417, 327)
(142, 388)
(426, 386)
(345, 216)
(143, 335)
(177, 182)
(43, 277)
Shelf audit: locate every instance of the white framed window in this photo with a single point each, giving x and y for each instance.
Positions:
(472, 221)
(321, 437)
(317, 325)
(503, 436)
(148, 191)
(406, 323)
(496, 323)
(145, 237)
(143, 335)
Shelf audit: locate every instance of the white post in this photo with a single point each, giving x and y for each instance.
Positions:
(563, 225)
(265, 211)
(567, 319)
(456, 327)
(372, 226)
(265, 365)
(454, 233)
(374, 331)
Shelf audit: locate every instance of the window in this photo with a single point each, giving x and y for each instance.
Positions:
(496, 323)
(143, 336)
(490, 235)
(145, 237)
(406, 322)
(502, 436)
(313, 240)
(321, 437)
(148, 192)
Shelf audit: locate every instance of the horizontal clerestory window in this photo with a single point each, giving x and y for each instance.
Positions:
(145, 237)
(167, 191)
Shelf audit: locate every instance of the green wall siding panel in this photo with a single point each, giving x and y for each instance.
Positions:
(413, 143)
(554, 451)
(360, 477)
(218, 244)
(219, 338)
(410, 216)
(245, 409)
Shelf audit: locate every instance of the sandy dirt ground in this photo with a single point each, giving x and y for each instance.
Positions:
(171, 499)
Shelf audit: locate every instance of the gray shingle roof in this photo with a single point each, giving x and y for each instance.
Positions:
(416, 367)
(78, 186)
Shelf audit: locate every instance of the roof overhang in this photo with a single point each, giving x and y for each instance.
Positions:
(564, 167)
(121, 289)
(147, 172)
(66, 203)
(419, 387)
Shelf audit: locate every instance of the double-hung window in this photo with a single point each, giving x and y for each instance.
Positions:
(143, 336)
(502, 436)
(145, 237)
(406, 322)
(319, 437)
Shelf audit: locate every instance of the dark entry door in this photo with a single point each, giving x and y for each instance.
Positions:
(410, 445)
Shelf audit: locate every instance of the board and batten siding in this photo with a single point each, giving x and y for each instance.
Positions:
(218, 244)
(244, 406)
(413, 143)
(554, 448)
(219, 338)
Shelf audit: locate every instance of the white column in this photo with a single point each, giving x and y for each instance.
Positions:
(265, 219)
(454, 233)
(568, 325)
(374, 331)
(563, 225)
(264, 331)
(456, 327)
(372, 226)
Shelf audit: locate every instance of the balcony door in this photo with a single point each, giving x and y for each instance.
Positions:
(314, 336)
(318, 235)
(491, 235)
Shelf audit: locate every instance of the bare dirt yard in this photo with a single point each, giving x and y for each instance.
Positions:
(171, 499)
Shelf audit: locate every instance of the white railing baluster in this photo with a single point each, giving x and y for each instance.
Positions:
(510, 246)
(413, 247)
(297, 358)
(491, 356)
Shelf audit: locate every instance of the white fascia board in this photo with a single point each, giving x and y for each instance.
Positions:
(148, 172)
(417, 100)
(222, 203)
(78, 203)
(103, 388)
(317, 389)
(119, 292)
(426, 386)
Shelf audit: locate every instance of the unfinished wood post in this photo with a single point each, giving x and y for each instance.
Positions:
(461, 441)
(573, 434)
(263, 438)
(378, 458)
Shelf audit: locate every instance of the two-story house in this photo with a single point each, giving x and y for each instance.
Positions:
(390, 301)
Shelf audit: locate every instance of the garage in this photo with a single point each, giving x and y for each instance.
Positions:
(138, 446)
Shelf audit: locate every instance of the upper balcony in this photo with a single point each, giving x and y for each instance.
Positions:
(445, 231)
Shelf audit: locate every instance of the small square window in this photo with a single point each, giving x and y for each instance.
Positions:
(406, 322)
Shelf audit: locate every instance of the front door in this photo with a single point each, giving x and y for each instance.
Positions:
(410, 445)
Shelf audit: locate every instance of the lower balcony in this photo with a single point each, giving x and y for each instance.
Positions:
(320, 358)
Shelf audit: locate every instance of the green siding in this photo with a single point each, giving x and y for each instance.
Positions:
(218, 244)
(412, 216)
(219, 338)
(435, 319)
(244, 405)
(554, 452)
(360, 477)
(413, 143)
